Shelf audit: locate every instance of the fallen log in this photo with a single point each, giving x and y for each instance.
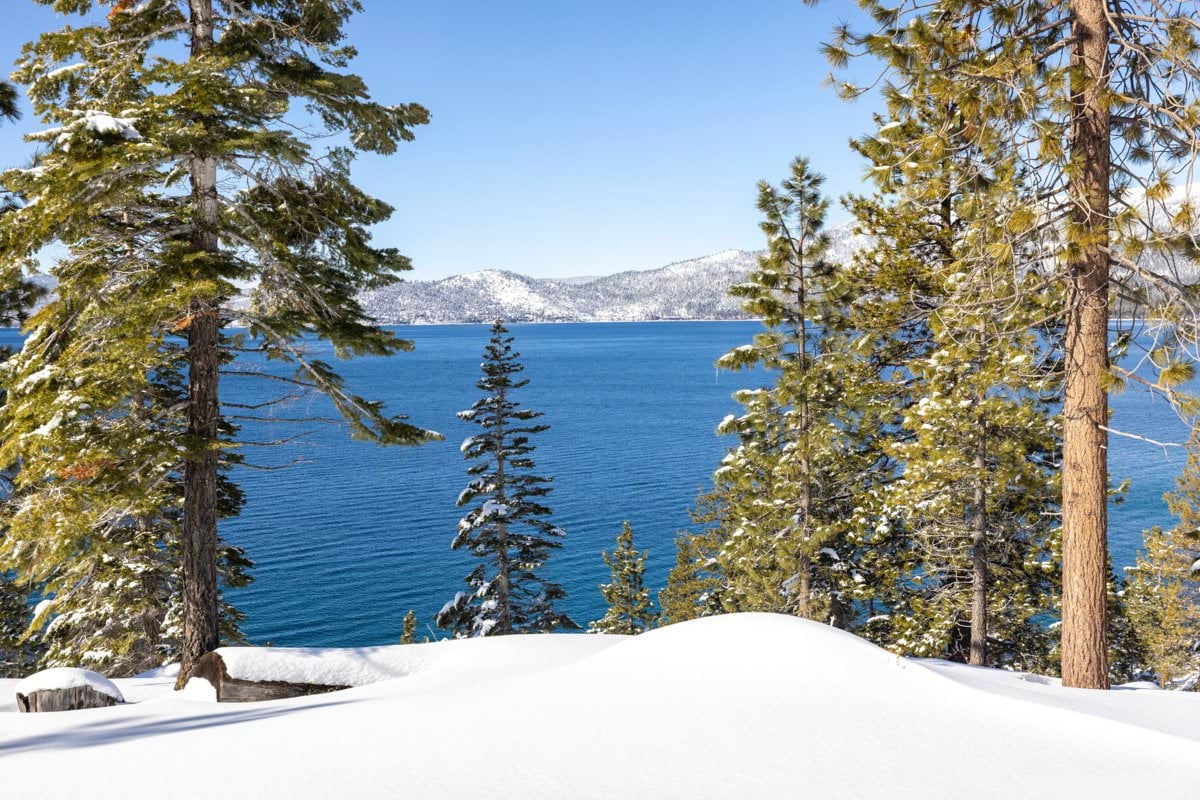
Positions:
(211, 667)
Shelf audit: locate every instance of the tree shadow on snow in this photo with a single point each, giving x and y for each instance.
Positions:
(124, 728)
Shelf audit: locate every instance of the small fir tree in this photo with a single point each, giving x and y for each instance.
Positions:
(507, 526)
(630, 609)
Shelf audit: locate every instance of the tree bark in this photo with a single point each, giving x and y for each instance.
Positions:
(804, 602)
(1085, 405)
(979, 566)
(201, 629)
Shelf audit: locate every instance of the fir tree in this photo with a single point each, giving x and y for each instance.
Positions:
(630, 609)
(174, 170)
(1099, 103)
(507, 526)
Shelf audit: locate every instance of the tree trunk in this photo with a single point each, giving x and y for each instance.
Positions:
(504, 616)
(201, 630)
(804, 602)
(1085, 405)
(979, 567)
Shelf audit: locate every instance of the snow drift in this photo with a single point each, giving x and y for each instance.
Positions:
(741, 706)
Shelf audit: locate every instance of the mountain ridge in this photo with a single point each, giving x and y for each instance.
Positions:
(689, 289)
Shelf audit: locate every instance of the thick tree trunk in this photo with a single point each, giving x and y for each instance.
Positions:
(979, 565)
(1085, 405)
(201, 629)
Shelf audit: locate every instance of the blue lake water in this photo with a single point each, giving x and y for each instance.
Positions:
(356, 535)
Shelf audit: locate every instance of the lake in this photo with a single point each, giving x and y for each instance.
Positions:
(353, 537)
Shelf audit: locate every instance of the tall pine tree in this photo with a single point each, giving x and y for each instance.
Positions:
(175, 172)
(508, 526)
(964, 318)
(1100, 103)
(630, 609)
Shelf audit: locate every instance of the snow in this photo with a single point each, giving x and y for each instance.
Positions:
(745, 705)
(67, 678)
(106, 124)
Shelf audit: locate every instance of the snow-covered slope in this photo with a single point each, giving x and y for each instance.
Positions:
(693, 289)
(741, 706)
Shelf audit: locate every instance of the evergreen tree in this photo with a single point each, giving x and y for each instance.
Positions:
(409, 635)
(507, 526)
(1099, 104)
(630, 609)
(8, 101)
(976, 495)
(805, 440)
(695, 584)
(18, 652)
(1162, 596)
(174, 173)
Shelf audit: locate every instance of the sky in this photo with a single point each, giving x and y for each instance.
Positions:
(580, 138)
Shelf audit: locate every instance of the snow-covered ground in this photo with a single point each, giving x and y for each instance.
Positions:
(741, 706)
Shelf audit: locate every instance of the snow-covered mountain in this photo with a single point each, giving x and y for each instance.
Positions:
(694, 289)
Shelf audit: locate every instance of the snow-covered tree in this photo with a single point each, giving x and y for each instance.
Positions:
(188, 156)
(508, 526)
(630, 609)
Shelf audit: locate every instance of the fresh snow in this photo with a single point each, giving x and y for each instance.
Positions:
(108, 125)
(737, 706)
(67, 678)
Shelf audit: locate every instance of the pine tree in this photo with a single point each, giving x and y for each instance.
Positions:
(1162, 596)
(507, 526)
(173, 174)
(1095, 100)
(804, 441)
(630, 609)
(8, 101)
(975, 495)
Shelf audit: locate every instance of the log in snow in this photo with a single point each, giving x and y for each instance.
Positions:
(65, 689)
(212, 668)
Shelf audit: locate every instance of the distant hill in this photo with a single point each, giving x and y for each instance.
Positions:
(692, 289)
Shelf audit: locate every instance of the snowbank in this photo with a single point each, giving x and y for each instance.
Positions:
(363, 666)
(739, 706)
(68, 678)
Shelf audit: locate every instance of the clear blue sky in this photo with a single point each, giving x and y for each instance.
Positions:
(581, 138)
